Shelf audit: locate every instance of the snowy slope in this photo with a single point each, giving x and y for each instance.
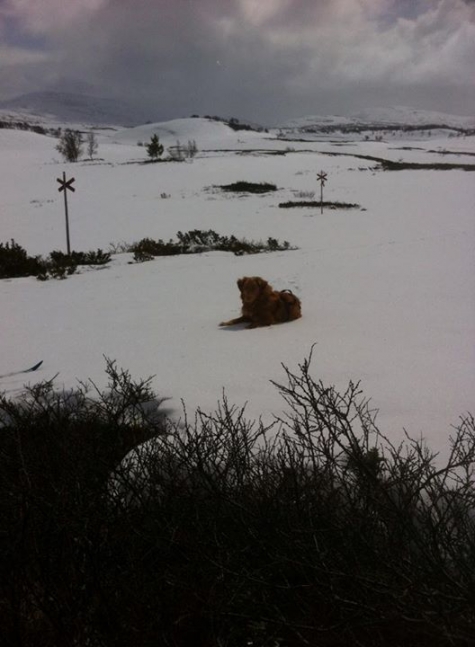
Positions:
(398, 118)
(404, 116)
(210, 133)
(73, 108)
(388, 292)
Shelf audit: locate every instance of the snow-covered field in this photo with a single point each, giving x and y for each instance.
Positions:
(388, 291)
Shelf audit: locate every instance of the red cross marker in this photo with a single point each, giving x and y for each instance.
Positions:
(66, 185)
(322, 178)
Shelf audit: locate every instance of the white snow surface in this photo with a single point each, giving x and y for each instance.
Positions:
(388, 291)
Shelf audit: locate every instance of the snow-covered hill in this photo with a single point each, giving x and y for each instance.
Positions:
(404, 116)
(51, 109)
(382, 120)
(208, 133)
(73, 108)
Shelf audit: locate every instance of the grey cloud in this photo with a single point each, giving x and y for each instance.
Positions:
(183, 57)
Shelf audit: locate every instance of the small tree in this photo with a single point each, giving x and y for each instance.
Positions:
(191, 148)
(177, 152)
(154, 148)
(70, 145)
(180, 152)
(91, 143)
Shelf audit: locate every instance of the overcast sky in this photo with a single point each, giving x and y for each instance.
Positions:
(263, 60)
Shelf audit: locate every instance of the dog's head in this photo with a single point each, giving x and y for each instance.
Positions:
(251, 288)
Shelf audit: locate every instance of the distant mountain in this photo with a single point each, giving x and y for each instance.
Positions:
(57, 107)
(398, 118)
(73, 108)
(413, 117)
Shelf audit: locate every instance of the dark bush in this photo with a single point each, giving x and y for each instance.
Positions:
(60, 265)
(22, 125)
(389, 165)
(15, 262)
(147, 247)
(57, 452)
(80, 258)
(197, 241)
(316, 530)
(234, 123)
(248, 187)
(291, 204)
(70, 145)
(154, 148)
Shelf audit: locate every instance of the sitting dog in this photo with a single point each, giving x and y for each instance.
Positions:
(263, 306)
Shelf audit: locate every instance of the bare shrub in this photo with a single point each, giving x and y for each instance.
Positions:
(70, 145)
(181, 152)
(220, 530)
(91, 143)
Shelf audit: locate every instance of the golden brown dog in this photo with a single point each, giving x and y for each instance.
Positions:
(263, 306)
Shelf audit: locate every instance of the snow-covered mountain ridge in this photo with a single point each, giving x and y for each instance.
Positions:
(66, 107)
(380, 119)
(51, 108)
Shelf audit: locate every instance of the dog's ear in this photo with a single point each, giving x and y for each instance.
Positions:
(261, 283)
(240, 283)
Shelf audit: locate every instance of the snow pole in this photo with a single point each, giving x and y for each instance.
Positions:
(66, 185)
(322, 178)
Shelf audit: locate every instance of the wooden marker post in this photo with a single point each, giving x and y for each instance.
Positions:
(322, 178)
(66, 185)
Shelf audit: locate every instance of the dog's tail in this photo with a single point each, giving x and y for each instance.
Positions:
(292, 304)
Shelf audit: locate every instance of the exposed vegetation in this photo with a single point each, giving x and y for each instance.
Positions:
(446, 152)
(248, 187)
(14, 124)
(91, 144)
(234, 123)
(181, 152)
(197, 241)
(315, 530)
(59, 265)
(70, 145)
(316, 203)
(389, 165)
(383, 129)
(81, 258)
(154, 148)
(15, 262)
